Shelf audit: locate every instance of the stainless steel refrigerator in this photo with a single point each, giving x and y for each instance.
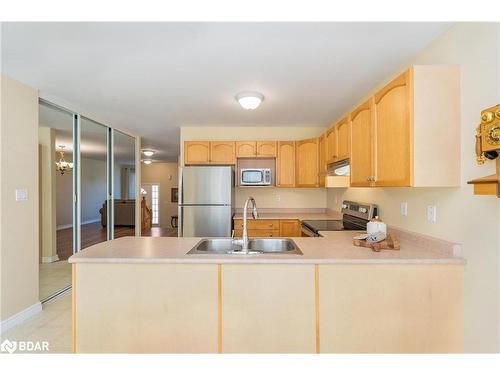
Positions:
(206, 201)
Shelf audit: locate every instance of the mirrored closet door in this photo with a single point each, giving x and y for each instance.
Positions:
(93, 182)
(55, 176)
(124, 184)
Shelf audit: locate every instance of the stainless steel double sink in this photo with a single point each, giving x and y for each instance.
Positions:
(255, 246)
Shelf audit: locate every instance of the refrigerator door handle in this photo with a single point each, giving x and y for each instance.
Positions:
(179, 207)
(179, 222)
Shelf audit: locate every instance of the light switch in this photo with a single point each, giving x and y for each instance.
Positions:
(21, 194)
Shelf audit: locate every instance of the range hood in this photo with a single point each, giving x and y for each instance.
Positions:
(337, 174)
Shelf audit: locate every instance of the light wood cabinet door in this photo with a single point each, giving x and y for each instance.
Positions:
(290, 228)
(307, 163)
(331, 145)
(409, 308)
(393, 164)
(322, 160)
(362, 145)
(266, 149)
(343, 141)
(268, 308)
(285, 164)
(260, 224)
(222, 152)
(246, 149)
(196, 152)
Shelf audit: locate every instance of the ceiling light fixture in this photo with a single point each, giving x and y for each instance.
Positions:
(63, 165)
(147, 161)
(249, 99)
(148, 153)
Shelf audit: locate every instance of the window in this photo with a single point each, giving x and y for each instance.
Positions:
(155, 196)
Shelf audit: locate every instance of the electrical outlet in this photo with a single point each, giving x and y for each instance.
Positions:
(278, 198)
(403, 208)
(431, 214)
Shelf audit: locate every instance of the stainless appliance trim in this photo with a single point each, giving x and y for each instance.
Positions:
(332, 167)
(309, 233)
(266, 176)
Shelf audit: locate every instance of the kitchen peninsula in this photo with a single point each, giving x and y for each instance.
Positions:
(138, 294)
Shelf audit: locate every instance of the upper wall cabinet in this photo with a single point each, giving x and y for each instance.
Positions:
(259, 149)
(246, 149)
(415, 133)
(322, 159)
(331, 145)
(266, 149)
(362, 145)
(307, 163)
(285, 164)
(343, 139)
(196, 152)
(393, 133)
(205, 152)
(222, 152)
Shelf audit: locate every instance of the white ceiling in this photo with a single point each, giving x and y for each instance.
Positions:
(153, 78)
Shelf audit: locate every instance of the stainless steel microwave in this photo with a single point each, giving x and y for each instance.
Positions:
(255, 176)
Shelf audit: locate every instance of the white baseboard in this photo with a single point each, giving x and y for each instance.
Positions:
(66, 226)
(52, 259)
(20, 317)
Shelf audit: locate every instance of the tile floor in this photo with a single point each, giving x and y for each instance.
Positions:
(53, 324)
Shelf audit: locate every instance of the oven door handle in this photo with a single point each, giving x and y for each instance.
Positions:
(309, 233)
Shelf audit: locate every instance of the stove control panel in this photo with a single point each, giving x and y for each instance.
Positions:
(365, 211)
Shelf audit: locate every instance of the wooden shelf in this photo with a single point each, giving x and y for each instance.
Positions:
(489, 185)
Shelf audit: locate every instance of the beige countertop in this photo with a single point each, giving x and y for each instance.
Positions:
(332, 248)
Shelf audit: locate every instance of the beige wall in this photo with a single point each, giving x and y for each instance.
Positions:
(281, 197)
(19, 220)
(461, 216)
(265, 197)
(47, 195)
(165, 174)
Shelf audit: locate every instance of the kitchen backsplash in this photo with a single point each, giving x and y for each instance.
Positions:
(271, 197)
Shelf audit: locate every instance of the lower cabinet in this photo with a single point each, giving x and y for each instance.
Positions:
(391, 308)
(145, 308)
(268, 308)
(290, 228)
(268, 228)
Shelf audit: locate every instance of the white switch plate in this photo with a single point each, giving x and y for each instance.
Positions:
(431, 214)
(21, 195)
(404, 208)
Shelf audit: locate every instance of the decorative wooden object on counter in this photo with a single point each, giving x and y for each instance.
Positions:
(390, 243)
(488, 147)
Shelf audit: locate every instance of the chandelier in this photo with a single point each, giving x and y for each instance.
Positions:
(63, 165)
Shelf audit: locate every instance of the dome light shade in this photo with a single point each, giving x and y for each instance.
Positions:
(249, 100)
(148, 161)
(148, 153)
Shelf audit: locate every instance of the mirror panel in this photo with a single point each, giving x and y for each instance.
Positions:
(124, 184)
